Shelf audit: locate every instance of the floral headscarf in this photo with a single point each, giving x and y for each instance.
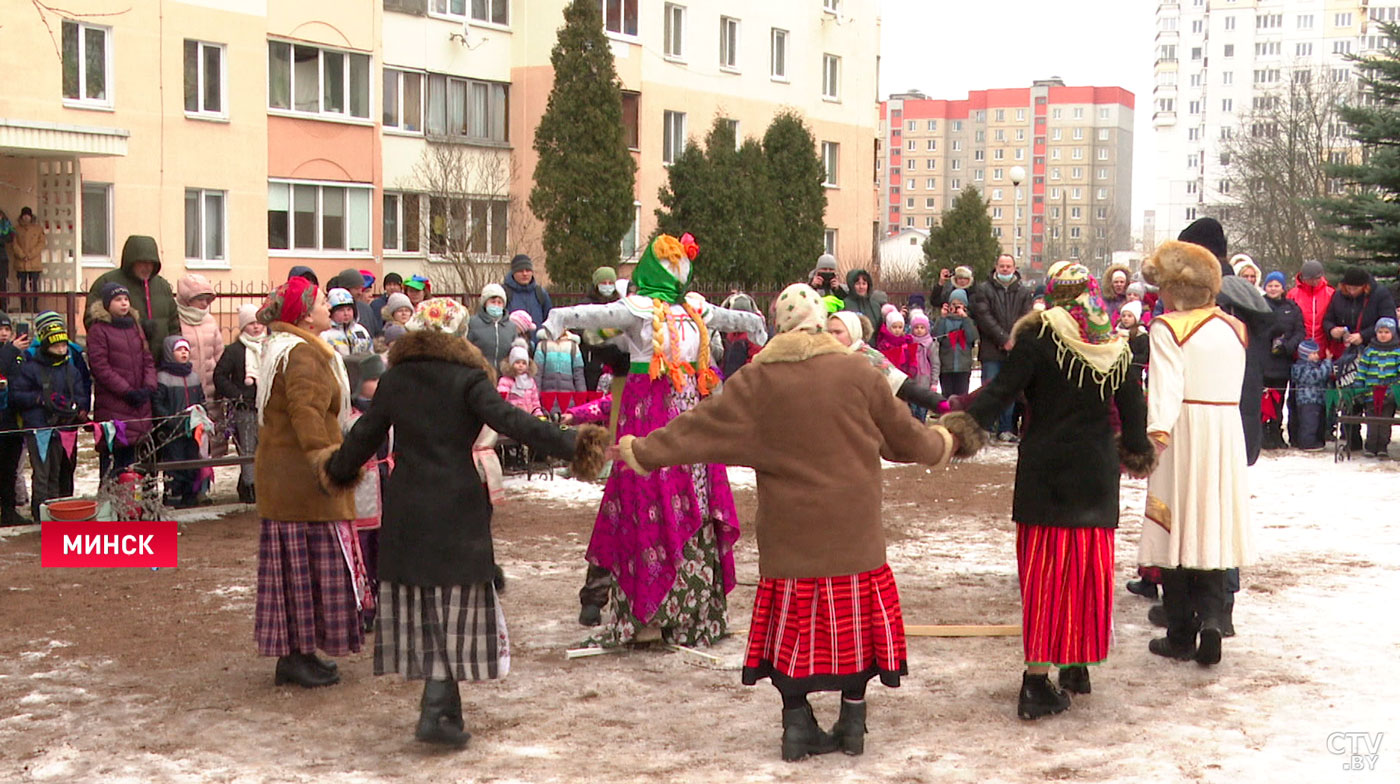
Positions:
(440, 313)
(1070, 286)
(1077, 321)
(290, 303)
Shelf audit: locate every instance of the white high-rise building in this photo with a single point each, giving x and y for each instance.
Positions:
(1215, 60)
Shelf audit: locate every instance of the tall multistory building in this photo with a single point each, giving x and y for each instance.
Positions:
(1219, 60)
(1072, 148)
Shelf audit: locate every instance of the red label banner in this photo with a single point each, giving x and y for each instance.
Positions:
(132, 544)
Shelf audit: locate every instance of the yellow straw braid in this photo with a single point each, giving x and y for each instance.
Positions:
(673, 366)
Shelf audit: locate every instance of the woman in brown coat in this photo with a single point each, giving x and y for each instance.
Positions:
(307, 595)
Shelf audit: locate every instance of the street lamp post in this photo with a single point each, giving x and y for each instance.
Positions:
(1018, 175)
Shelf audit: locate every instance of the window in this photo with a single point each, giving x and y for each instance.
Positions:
(1227, 104)
(1341, 74)
(1229, 23)
(1190, 187)
(1195, 53)
(631, 118)
(97, 220)
(1101, 213)
(1342, 20)
(489, 11)
(1055, 134)
(1227, 77)
(204, 79)
(1303, 50)
(831, 77)
(998, 154)
(1194, 107)
(310, 80)
(1193, 134)
(467, 110)
(997, 174)
(1268, 21)
(997, 211)
(1196, 80)
(1225, 133)
(928, 203)
(1074, 232)
(957, 126)
(1020, 153)
(912, 185)
(1103, 153)
(1077, 172)
(629, 240)
(955, 184)
(1054, 173)
(204, 227)
(957, 164)
(1224, 186)
(1268, 48)
(931, 164)
(729, 43)
(1020, 134)
(1229, 50)
(834, 6)
(979, 136)
(1341, 47)
(619, 16)
(673, 142)
(458, 226)
(932, 145)
(829, 241)
(957, 145)
(401, 223)
(1103, 134)
(1197, 27)
(87, 62)
(778, 55)
(831, 161)
(979, 155)
(911, 164)
(403, 100)
(313, 217)
(977, 174)
(996, 196)
(1075, 213)
(1078, 134)
(675, 31)
(1103, 113)
(1166, 52)
(909, 221)
(1305, 21)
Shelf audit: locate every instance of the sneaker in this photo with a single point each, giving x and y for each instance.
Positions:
(1007, 438)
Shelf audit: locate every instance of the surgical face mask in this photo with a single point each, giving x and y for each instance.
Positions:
(495, 311)
(1007, 278)
(606, 289)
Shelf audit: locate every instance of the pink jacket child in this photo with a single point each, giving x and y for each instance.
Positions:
(518, 384)
(193, 296)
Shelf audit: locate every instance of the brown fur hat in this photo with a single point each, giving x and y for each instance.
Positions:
(1187, 274)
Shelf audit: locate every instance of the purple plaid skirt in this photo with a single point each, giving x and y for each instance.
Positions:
(305, 596)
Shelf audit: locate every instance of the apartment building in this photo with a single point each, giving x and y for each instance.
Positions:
(1070, 146)
(1219, 60)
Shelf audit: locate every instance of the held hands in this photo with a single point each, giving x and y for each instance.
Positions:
(613, 453)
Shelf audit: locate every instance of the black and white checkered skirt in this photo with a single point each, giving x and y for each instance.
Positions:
(451, 632)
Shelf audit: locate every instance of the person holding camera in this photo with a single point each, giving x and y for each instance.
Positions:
(823, 278)
(52, 392)
(950, 280)
(956, 334)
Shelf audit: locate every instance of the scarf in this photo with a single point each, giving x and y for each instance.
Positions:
(252, 356)
(177, 368)
(924, 367)
(275, 353)
(189, 314)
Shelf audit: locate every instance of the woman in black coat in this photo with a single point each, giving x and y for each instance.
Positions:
(1070, 366)
(1284, 338)
(439, 617)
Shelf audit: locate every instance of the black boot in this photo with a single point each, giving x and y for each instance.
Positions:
(590, 615)
(297, 668)
(436, 723)
(1227, 623)
(245, 494)
(802, 736)
(1142, 588)
(325, 665)
(1157, 616)
(1075, 679)
(1208, 651)
(454, 709)
(849, 729)
(1039, 697)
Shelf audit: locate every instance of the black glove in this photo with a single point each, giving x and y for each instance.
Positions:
(135, 397)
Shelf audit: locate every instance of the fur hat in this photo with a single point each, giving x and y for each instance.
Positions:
(1209, 234)
(963, 272)
(522, 321)
(1187, 274)
(247, 314)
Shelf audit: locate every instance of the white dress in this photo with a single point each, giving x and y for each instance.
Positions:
(1198, 498)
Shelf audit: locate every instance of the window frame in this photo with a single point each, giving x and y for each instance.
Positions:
(109, 100)
(449, 136)
(467, 203)
(830, 237)
(635, 230)
(202, 113)
(320, 251)
(467, 16)
(321, 113)
(673, 135)
(729, 44)
(775, 74)
(400, 77)
(623, 7)
(203, 261)
(671, 13)
(831, 77)
(831, 168)
(96, 259)
(401, 225)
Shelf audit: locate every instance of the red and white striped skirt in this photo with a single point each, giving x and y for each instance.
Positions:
(827, 633)
(1066, 593)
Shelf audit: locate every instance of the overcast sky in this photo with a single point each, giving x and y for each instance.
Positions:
(944, 48)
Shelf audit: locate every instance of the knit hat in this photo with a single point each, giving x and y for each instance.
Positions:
(851, 320)
(826, 263)
(247, 315)
(493, 290)
(1311, 270)
(891, 315)
(799, 307)
(26, 211)
(442, 314)
(1276, 276)
(1134, 307)
(363, 367)
(290, 302)
(957, 296)
(303, 271)
(398, 300)
(917, 317)
(1355, 276)
(393, 332)
(604, 275)
(50, 328)
(1209, 234)
(111, 291)
(393, 277)
(917, 302)
(521, 262)
(522, 322)
(518, 353)
(1386, 323)
(347, 279)
(1239, 261)
(5, 320)
(1307, 347)
(173, 342)
(1137, 288)
(339, 298)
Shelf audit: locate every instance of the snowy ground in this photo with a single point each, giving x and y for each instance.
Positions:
(109, 676)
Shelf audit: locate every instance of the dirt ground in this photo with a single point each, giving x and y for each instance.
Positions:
(141, 676)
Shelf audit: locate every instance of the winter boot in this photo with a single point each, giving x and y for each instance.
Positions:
(802, 736)
(297, 668)
(245, 494)
(590, 615)
(325, 665)
(1142, 588)
(1208, 651)
(1157, 616)
(1166, 646)
(435, 720)
(1227, 622)
(849, 729)
(1039, 697)
(1075, 679)
(454, 709)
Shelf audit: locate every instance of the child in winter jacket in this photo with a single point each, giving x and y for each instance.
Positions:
(927, 360)
(346, 335)
(561, 364)
(517, 382)
(1130, 326)
(1311, 374)
(956, 334)
(236, 381)
(1376, 370)
(193, 296)
(52, 392)
(363, 372)
(123, 375)
(898, 347)
(177, 388)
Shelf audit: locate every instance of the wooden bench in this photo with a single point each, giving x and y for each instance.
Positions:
(1343, 443)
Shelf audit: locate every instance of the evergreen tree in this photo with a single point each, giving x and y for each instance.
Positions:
(798, 206)
(963, 236)
(585, 176)
(1366, 218)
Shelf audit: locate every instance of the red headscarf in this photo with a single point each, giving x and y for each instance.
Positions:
(290, 303)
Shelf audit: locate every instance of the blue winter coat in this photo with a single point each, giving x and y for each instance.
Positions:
(39, 380)
(532, 299)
